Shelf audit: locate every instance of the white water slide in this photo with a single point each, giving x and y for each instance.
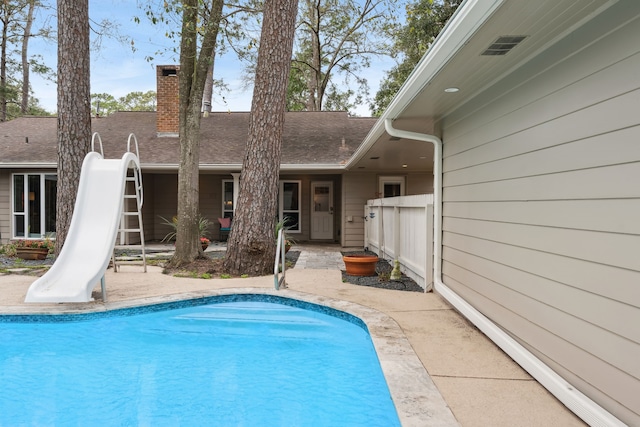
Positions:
(89, 244)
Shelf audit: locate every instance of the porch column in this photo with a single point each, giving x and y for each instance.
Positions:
(236, 189)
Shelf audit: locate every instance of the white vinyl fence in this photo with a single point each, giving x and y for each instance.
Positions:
(402, 228)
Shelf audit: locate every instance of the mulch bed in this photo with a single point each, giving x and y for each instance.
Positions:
(381, 279)
(211, 264)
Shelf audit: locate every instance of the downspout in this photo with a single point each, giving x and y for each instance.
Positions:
(437, 190)
(592, 413)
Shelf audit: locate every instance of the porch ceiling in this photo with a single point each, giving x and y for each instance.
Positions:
(455, 61)
(393, 155)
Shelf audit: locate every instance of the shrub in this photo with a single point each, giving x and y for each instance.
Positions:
(203, 227)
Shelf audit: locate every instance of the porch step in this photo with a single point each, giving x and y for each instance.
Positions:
(323, 259)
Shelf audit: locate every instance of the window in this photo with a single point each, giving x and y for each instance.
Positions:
(290, 205)
(227, 199)
(391, 186)
(34, 205)
(289, 202)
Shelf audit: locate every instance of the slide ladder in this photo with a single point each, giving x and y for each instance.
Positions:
(131, 221)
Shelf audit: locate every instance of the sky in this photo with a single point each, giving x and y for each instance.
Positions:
(117, 69)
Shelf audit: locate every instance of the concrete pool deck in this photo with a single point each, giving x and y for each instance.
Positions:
(441, 370)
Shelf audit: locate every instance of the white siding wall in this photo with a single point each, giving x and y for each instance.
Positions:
(148, 187)
(541, 227)
(211, 201)
(163, 199)
(420, 183)
(165, 204)
(357, 188)
(5, 206)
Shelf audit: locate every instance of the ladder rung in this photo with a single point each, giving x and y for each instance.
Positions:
(130, 213)
(129, 230)
(130, 196)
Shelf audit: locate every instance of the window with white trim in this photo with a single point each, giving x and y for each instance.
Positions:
(289, 203)
(391, 186)
(33, 208)
(227, 198)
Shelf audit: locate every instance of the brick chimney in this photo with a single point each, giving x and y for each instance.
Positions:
(167, 120)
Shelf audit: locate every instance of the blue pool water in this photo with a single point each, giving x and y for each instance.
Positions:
(238, 363)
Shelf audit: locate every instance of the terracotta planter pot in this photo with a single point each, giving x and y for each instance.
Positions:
(32, 253)
(360, 265)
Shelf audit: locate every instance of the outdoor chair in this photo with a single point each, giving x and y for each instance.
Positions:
(225, 228)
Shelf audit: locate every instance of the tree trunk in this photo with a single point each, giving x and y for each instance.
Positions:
(187, 238)
(24, 103)
(192, 78)
(208, 88)
(3, 63)
(251, 244)
(314, 72)
(74, 107)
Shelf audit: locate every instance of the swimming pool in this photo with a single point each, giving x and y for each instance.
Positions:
(234, 360)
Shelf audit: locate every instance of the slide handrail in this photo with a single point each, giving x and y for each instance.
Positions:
(280, 251)
(136, 142)
(138, 172)
(94, 137)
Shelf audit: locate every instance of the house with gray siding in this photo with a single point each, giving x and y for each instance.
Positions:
(523, 120)
(533, 110)
(323, 205)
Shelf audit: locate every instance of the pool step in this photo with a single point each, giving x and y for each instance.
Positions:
(252, 319)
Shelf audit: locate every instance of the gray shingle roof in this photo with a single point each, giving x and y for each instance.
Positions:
(309, 138)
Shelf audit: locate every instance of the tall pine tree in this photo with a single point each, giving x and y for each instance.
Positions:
(74, 107)
(251, 246)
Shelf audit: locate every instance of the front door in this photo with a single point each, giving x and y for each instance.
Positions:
(322, 210)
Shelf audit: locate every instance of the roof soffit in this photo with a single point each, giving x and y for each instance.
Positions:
(544, 22)
(456, 61)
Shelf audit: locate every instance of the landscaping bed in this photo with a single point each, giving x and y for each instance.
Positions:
(381, 279)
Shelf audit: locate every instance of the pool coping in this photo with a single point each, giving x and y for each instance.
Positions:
(417, 400)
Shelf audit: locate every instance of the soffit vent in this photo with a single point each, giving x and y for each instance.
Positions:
(503, 45)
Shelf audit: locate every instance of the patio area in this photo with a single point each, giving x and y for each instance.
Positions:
(478, 383)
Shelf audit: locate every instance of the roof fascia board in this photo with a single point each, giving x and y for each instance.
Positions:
(238, 166)
(461, 27)
(204, 167)
(43, 165)
(312, 167)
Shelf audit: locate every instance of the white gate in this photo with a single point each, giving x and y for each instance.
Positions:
(402, 228)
